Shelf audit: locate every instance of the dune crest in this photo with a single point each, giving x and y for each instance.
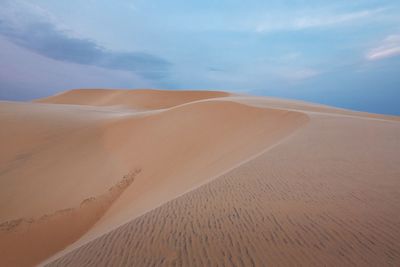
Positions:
(143, 99)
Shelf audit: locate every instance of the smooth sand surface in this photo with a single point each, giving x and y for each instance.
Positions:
(196, 178)
(136, 99)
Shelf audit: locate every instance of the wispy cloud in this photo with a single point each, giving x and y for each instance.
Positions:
(38, 32)
(300, 74)
(313, 19)
(389, 47)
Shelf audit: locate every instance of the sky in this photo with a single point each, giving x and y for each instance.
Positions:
(341, 53)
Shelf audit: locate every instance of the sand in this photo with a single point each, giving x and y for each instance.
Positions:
(103, 177)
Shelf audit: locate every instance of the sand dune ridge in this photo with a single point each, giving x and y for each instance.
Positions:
(224, 179)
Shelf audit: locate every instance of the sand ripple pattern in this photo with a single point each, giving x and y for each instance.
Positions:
(322, 198)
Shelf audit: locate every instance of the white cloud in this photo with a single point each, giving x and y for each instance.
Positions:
(390, 47)
(312, 20)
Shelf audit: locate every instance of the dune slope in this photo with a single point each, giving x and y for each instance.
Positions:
(75, 154)
(323, 197)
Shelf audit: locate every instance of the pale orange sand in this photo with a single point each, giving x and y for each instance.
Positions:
(196, 178)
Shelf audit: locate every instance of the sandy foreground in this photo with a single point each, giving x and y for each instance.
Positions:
(98, 177)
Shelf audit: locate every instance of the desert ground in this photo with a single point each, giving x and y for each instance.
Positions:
(102, 177)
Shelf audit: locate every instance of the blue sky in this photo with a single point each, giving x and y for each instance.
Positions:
(341, 53)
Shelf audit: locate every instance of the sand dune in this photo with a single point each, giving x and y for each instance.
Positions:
(161, 178)
(137, 99)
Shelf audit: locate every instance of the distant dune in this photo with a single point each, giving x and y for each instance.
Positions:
(101, 177)
(136, 99)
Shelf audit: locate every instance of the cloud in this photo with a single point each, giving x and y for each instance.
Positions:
(38, 32)
(301, 74)
(389, 47)
(26, 75)
(313, 20)
(214, 69)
